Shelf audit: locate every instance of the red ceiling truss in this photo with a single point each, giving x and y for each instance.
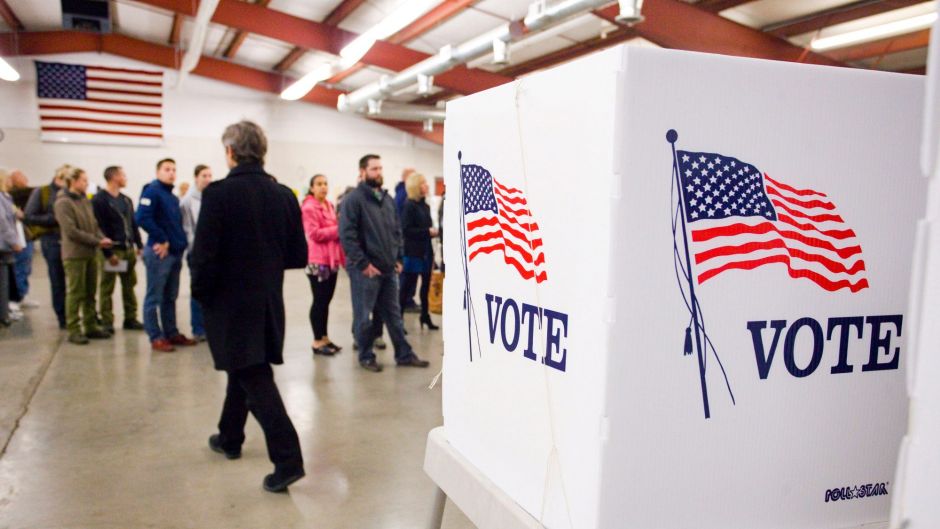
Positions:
(668, 23)
(8, 16)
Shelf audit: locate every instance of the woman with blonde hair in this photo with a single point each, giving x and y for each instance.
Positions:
(417, 231)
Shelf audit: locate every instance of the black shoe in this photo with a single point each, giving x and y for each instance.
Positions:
(133, 325)
(413, 361)
(278, 482)
(216, 445)
(371, 365)
(108, 329)
(324, 350)
(78, 339)
(334, 347)
(98, 334)
(426, 320)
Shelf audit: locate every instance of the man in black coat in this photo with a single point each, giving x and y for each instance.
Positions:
(249, 231)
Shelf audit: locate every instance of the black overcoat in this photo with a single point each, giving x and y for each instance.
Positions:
(249, 231)
(415, 228)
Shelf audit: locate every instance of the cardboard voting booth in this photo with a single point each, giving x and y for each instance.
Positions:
(677, 290)
(914, 504)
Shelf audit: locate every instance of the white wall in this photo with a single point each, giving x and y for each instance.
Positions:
(304, 139)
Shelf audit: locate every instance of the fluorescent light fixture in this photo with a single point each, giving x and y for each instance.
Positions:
(7, 72)
(897, 27)
(306, 83)
(405, 14)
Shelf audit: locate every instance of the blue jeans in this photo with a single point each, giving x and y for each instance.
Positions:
(195, 310)
(381, 294)
(163, 286)
(52, 252)
(23, 268)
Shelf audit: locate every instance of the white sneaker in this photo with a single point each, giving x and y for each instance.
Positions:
(29, 304)
(14, 306)
(16, 315)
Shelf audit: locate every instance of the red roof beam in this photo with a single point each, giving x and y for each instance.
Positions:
(678, 25)
(343, 10)
(836, 15)
(716, 6)
(433, 18)
(909, 41)
(10, 17)
(569, 53)
(240, 36)
(176, 30)
(289, 59)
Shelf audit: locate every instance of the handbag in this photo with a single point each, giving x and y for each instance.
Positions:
(436, 293)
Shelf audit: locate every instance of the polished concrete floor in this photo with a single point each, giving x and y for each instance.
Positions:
(110, 435)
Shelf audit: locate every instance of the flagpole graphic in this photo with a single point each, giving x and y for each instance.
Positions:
(671, 137)
(735, 218)
(467, 300)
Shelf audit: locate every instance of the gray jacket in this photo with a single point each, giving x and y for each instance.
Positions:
(189, 207)
(8, 235)
(369, 230)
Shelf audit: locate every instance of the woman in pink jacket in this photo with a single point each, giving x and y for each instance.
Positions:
(324, 256)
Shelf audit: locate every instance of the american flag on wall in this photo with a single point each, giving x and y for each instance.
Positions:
(91, 104)
(498, 220)
(742, 219)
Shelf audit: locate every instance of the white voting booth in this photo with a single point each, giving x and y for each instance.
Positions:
(915, 505)
(676, 291)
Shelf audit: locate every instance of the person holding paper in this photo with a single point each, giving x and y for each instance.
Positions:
(159, 215)
(189, 206)
(115, 214)
(250, 231)
(81, 238)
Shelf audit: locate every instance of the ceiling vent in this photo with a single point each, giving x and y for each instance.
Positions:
(86, 15)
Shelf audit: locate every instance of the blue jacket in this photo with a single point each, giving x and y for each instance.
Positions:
(158, 213)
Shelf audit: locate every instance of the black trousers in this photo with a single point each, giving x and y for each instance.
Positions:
(52, 253)
(409, 285)
(320, 309)
(253, 389)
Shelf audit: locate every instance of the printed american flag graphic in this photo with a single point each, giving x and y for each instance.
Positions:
(90, 104)
(741, 219)
(498, 220)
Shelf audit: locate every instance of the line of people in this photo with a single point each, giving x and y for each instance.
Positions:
(90, 244)
(242, 233)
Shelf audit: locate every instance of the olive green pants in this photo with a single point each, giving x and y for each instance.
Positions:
(81, 276)
(106, 288)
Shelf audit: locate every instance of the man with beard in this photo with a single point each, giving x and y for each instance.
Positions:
(371, 237)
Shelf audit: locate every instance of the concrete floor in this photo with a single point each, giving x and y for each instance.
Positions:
(109, 435)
